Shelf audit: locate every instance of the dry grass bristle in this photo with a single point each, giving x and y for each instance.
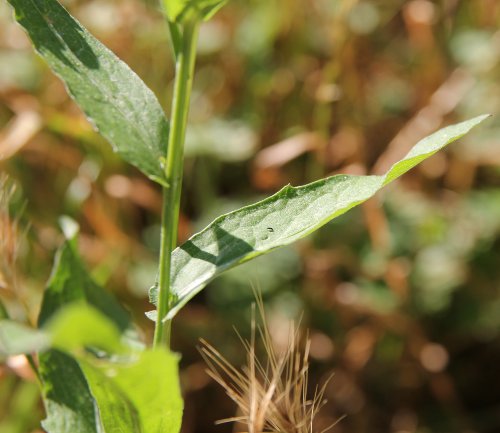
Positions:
(9, 236)
(271, 395)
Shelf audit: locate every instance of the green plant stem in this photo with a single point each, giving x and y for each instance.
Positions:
(184, 71)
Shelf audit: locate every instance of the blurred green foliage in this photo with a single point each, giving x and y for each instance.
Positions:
(402, 299)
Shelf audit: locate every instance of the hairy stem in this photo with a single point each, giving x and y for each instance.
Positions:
(184, 71)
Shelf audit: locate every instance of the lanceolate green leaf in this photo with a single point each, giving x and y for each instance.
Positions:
(70, 283)
(283, 218)
(116, 101)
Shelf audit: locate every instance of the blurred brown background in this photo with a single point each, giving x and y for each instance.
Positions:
(401, 295)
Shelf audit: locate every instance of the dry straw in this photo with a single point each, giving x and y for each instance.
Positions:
(9, 235)
(271, 395)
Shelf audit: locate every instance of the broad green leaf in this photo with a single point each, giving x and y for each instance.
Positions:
(16, 339)
(68, 401)
(72, 327)
(178, 10)
(116, 412)
(80, 398)
(283, 218)
(151, 384)
(71, 283)
(85, 396)
(80, 325)
(122, 108)
(141, 396)
(75, 312)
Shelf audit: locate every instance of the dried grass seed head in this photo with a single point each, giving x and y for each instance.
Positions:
(271, 393)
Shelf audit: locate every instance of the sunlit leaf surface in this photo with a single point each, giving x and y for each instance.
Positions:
(122, 108)
(152, 386)
(283, 218)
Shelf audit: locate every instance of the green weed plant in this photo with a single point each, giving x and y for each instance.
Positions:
(95, 374)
